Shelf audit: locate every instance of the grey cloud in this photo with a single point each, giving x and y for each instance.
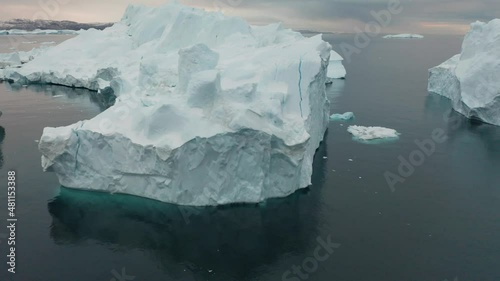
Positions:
(325, 15)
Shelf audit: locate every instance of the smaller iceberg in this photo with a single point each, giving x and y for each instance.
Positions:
(404, 36)
(336, 69)
(342, 117)
(38, 32)
(372, 133)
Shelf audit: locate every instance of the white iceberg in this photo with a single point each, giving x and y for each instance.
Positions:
(336, 69)
(38, 32)
(209, 109)
(342, 117)
(470, 79)
(404, 36)
(372, 133)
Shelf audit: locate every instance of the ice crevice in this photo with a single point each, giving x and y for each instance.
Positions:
(77, 145)
(300, 87)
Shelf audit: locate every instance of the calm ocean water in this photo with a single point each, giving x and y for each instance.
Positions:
(441, 223)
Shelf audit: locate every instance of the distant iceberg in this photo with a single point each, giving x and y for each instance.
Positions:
(342, 117)
(336, 69)
(209, 109)
(404, 36)
(372, 133)
(470, 79)
(38, 32)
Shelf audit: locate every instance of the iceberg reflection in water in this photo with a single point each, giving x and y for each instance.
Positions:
(233, 241)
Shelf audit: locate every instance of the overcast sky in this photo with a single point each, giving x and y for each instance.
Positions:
(418, 16)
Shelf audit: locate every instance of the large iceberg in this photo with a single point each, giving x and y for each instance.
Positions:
(209, 109)
(470, 79)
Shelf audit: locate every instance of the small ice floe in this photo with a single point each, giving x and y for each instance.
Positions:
(58, 96)
(342, 117)
(48, 43)
(366, 134)
(324, 157)
(37, 141)
(29, 42)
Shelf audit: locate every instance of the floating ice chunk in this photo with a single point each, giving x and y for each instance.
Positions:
(372, 133)
(470, 79)
(404, 36)
(342, 117)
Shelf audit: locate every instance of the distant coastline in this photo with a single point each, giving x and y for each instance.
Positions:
(31, 25)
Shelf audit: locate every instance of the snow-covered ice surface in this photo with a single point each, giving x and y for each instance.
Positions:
(404, 36)
(372, 133)
(470, 79)
(10, 60)
(336, 69)
(209, 109)
(342, 117)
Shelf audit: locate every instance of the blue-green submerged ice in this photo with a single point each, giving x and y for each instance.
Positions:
(342, 117)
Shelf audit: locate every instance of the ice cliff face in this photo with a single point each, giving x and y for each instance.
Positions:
(471, 79)
(209, 109)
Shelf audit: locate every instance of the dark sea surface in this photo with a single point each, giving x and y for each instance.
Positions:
(441, 221)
